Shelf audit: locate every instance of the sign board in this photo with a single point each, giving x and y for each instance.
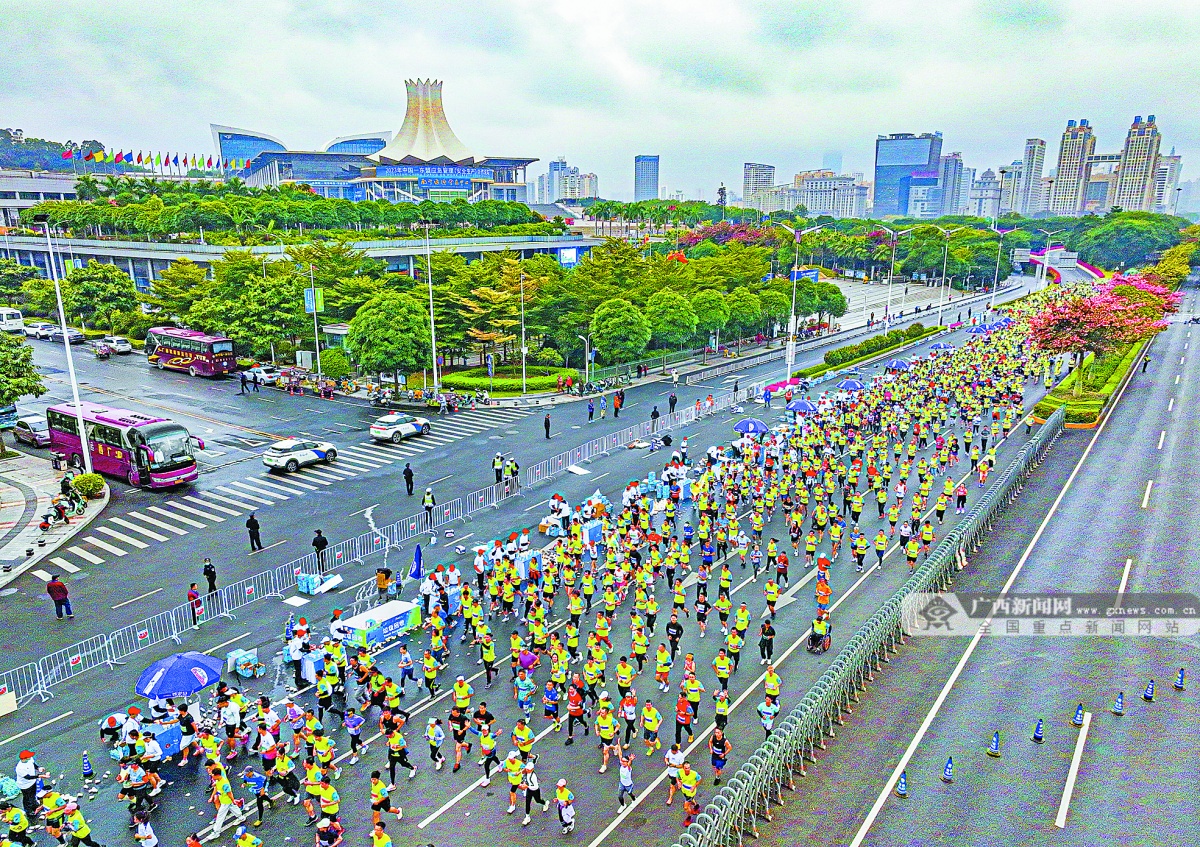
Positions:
(314, 300)
(568, 257)
(811, 274)
(423, 172)
(450, 183)
(1020, 255)
(491, 365)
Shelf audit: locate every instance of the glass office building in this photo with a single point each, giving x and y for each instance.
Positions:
(897, 157)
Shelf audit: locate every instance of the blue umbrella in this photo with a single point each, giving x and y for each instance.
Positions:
(978, 330)
(415, 571)
(181, 675)
(1005, 321)
(802, 405)
(942, 345)
(896, 365)
(751, 426)
(851, 385)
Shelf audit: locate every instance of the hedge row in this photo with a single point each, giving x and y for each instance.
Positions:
(820, 370)
(874, 344)
(1087, 408)
(470, 381)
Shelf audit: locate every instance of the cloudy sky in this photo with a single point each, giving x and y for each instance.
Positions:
(708, 85)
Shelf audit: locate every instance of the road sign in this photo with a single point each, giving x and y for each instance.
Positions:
(314, 300)
(811, 274)
(491, 365)
(1020, 255)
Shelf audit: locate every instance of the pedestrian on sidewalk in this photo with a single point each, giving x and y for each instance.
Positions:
(252, 527)
(654, 419)
(671, 401)
(674, 378)
(429, 501)
(256, 381)
(408, 478)
(591, 410)
(242, 379)
(57, 589)
(319, 543)
(1145, 362)
(210, 574)
(27, 773)
(193, 598)
(546, 425)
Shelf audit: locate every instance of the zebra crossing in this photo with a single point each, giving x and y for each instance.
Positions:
(110, 538)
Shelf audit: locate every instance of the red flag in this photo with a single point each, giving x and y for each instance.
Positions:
(89, 157)
(209, 165)
(120, 157)
(139, 158)
(66, 154)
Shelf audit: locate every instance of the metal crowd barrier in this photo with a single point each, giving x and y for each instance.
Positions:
(758, 785)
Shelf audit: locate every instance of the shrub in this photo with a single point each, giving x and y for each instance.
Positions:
(334, 363)
(508, 378)
(88, 485)
(916, 330)
(547, 356)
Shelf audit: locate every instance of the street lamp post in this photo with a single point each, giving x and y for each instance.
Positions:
(524, 349)
(887, 310)
(587, 358)
(1046, 256)
(996, 276)
(432, 327)
(945, 258)
(791, 343)
(85, 449)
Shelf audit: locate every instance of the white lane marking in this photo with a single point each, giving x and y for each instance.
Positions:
(42, 575)
(902, 765)
(86, 555)
(1146, 496)
(535, 505)
(278, 495)
(175, 504)
(1162, 435)
(1171, 405)
(357, 464)
(1177, 378)
(374, 455)
(207, 505)
(139, 597)
(1181, 358)
(212, 650)
(268, 547)
(132, 527)
(248, 496)
(318, 478)
(237, 504)
(440, 479)
(122, 537)
(1073, 773)
(1124, 580)
(65, 565)
(13, 738)
(104, 545)
(161, 511)
(293, 486)
(360, 511)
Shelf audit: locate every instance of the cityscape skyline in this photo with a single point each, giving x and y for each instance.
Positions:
(134, 81)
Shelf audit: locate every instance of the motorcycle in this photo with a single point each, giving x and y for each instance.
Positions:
(102, 351)
(65, 508)
(382, 398)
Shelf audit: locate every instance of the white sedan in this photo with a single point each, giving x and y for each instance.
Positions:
(291, 454)
(398, 426)
(118, 344)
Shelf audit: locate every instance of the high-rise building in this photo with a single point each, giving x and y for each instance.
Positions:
(950, 173)
(756, 178)
(554, 179)
(825, 193)
(897, 157)
(1189, 197)
(831, 160)
(1101, 189)
(921, 193)
(1044, 197)
(1010, 186)
(645, 178)
(1166, 180)
(1075, 149)
(985, 196)
(1139, 165)
(576, 186)
(1029, 194)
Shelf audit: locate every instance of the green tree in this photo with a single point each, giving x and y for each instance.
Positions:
(1127, 239)
(18, 376)
(99, 290)
(619, 330)
(177, 289)
(745, 309)
(12, 276)
(334, 363)
(776, 307)
(671, 317)
(829, 301)
(390, 333)
(712, 312)
(38, 294)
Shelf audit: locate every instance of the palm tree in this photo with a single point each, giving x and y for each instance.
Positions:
(87, 187)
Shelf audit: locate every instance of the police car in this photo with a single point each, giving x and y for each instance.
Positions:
(397, 426)
(293, 453)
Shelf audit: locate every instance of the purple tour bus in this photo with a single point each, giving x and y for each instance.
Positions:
(191, 351)
(142, 449)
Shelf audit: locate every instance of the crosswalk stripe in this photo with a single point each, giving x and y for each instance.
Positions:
(86, 555)
(42, 575)
(358, 464)
(338, 474)
(439, 439)
(374, 453)
(161, 511)
(292, 486)
(317, 477)
(65, 565)
(278, 495)
(156, 522)
(175, 504)
(139, 530)
(248, 496)
(469, 426)
(236, 503)
(208, 505)
(120, 536)
(104, 545)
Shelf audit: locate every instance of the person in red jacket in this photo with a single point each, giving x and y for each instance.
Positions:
(57, 590)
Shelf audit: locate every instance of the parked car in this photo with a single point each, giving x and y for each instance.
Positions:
(33, 430)
(117, 343)
(398, 426)
(38, 329)
(74, 336)
(291, 454)
(267, 374)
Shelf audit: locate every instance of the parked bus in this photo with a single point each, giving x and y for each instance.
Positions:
(191, 351)
(142, 449)
(11, 321)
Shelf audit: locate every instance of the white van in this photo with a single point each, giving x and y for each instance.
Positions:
(11, 321)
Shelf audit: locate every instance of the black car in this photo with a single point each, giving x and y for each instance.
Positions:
(74, 336)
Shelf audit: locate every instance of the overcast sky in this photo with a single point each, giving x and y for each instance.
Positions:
(708, 85)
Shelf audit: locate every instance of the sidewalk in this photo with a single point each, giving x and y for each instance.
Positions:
(27, 485)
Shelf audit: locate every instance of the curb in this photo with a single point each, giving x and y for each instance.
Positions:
(56, 538)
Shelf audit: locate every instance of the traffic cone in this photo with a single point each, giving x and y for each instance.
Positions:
(948, 771)
(1148, 694)
(994, 748)
(1118, 708)
(902, 785)
(1179, 686)
(1078, 719)
(88, 773)
(1038, 736)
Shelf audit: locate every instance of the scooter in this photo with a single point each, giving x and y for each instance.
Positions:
(102, 351)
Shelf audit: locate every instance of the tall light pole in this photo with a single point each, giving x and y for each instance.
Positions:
(85, 450)
(1046, 255)
(887, 310)
(791, 342)
(432, 327)
(945, 258)
(587, 358)
(523, 348)
(999, 251)
(316, 330)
